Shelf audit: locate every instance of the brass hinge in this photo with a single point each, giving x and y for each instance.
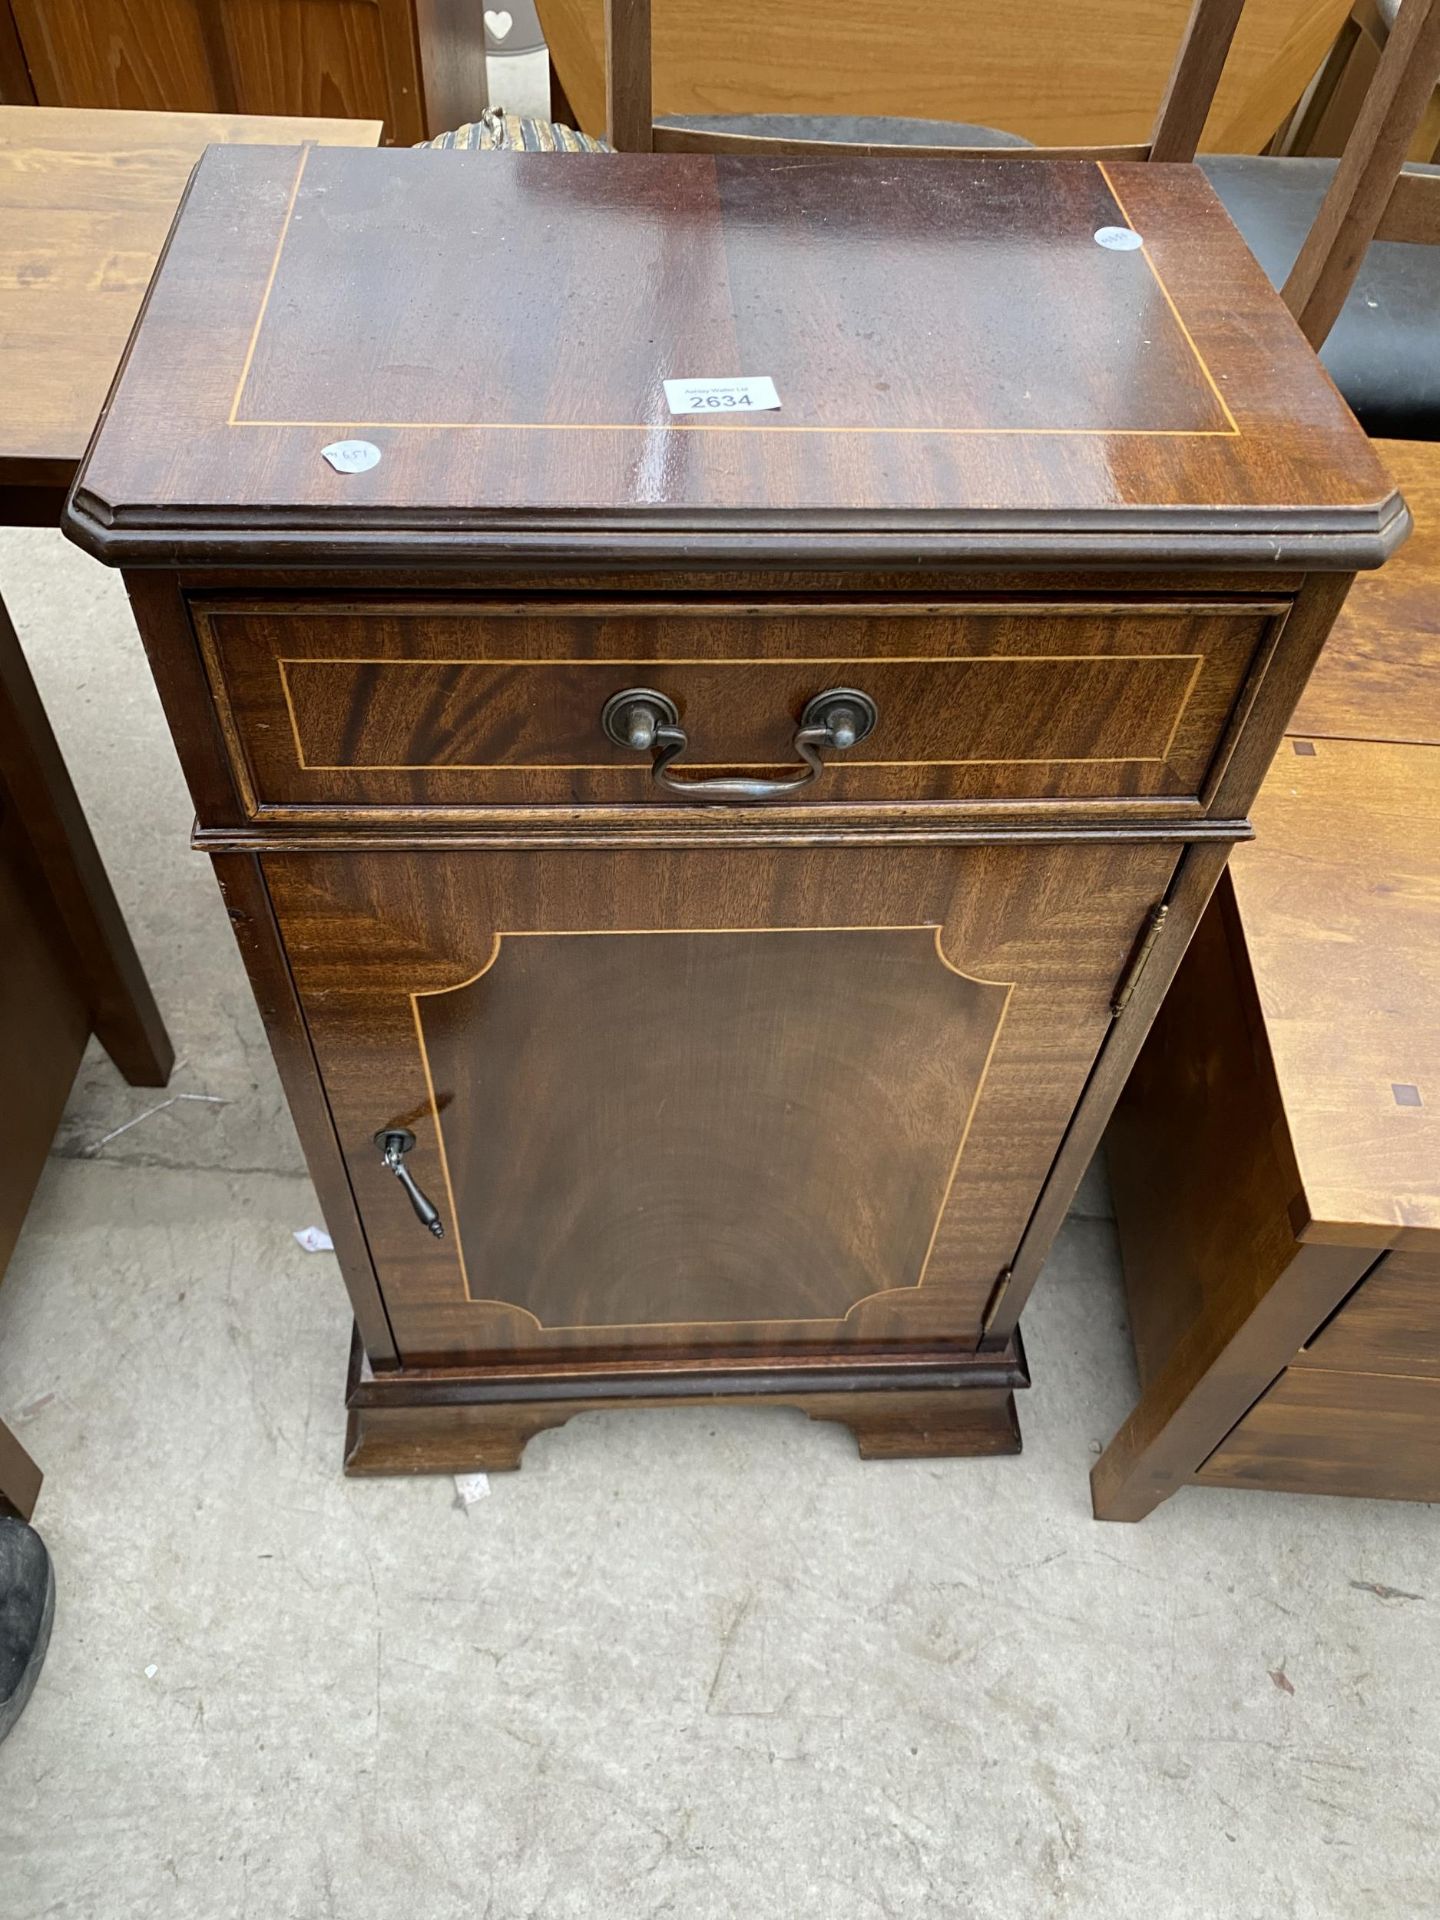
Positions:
(992, 1305)
(1148, 937)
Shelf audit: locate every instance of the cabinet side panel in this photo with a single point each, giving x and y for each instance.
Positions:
(1200, 1171)
(180, 679)
(248, 904)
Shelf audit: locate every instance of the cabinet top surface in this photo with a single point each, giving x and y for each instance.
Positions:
(1336, 897)
(953, 350)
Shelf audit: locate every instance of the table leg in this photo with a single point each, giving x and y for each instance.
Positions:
(122, 1007)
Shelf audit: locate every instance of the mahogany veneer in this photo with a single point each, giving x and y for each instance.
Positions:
(775, 1089)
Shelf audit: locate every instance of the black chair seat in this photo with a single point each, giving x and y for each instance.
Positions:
(1384, 350)
(879, 129)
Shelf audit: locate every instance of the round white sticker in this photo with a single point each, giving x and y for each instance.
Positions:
(1119, 239)
(352, 456)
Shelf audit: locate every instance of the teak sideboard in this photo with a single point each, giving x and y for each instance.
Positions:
(707, 877)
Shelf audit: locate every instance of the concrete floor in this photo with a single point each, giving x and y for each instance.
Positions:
(683, 1663)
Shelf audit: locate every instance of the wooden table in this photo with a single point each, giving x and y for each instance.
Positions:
(727, 860)
(86, 200)
(1276, 1156)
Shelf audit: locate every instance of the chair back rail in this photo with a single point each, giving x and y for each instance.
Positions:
(1175, 135)
(1371, 197)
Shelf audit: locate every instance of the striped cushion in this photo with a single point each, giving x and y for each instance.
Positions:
(516, 134)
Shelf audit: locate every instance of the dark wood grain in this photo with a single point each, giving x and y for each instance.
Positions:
(1035, 397)
(20, 1478)
(937, 1404)
(44, 1021)
(902, 1424)
(453, 79)
(1185, 900)
(416, 65)
(253, 923)
(17, 88)
(708, 1127)
(1390, 1323)
(351, 58)
(1194, 79)
(117, 53)
(1372, 1436)
(38, 789)
(717, 1101)
(365, 932)
(627, 75)
(455, 705)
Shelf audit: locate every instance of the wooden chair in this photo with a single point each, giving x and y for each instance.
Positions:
(1309, 223)
(1373, 194)
(632, 128)
(1321, 123)
(1057, 72)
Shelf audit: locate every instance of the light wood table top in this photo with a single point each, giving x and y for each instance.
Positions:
(86, 200)
(1339, 898)
(1379, 675)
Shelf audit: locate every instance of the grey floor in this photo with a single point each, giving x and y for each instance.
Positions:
(683, 1663)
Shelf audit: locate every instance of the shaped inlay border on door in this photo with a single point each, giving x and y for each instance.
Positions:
(990, 998)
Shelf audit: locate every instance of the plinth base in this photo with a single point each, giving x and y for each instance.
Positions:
(454, 1421)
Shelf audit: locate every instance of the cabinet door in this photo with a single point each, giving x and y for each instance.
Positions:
(138, 54)
(695, 1100)
(340, 59)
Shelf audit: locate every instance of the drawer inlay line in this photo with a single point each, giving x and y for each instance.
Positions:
(284, 662)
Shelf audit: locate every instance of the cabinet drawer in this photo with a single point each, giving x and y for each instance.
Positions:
(1371, 1435)
(1389, 1324)
(466, 703)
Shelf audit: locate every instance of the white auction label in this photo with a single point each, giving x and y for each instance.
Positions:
(755, 394)
(352, 456)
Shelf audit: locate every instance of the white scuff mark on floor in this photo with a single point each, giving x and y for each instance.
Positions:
(162, 1106)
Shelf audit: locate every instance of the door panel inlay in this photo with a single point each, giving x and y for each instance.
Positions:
(729, 1072)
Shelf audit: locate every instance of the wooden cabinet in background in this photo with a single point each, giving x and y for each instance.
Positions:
(417, 65)
(1275, 1157)
(724, 863)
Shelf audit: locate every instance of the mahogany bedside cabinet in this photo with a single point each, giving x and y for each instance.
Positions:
(706, 865)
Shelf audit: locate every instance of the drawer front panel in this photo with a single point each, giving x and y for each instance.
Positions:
(452, 705)
(1389, 1324)
(703, 1101)
(1369, 1435)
